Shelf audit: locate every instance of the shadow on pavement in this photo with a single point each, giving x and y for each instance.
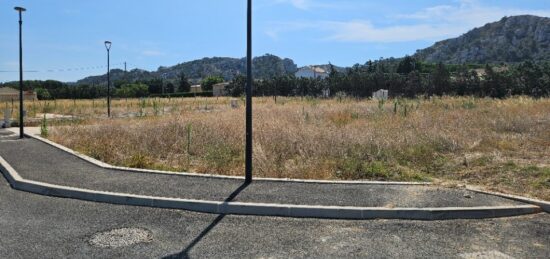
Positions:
(185, 252)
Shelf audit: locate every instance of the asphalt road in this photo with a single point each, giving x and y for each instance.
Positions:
(34, 226)
(35, 160)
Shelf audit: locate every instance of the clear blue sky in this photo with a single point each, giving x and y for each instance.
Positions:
(63, 35)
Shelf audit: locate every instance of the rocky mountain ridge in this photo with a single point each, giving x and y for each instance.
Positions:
(510, 40)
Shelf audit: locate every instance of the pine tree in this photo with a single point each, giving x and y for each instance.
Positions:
(183, 83)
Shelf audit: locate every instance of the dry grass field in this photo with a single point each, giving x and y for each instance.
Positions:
(120, 108)
(503, 145)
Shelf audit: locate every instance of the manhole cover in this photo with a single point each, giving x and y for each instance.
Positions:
(121, 237)
(6, 133)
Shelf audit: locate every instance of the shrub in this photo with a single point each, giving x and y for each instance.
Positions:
(44, 127)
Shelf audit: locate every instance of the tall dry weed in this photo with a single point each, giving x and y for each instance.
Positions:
(442, 138)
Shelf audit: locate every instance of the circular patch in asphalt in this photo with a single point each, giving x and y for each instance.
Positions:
(121, 237)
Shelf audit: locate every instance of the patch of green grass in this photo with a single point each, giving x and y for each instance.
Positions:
(416, 155)
(535, 171)
(354, 169)
(220, 156)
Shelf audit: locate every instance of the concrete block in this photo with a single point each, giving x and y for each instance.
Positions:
(198, 206)
(254, 209)
(326, 212)
(30, 187)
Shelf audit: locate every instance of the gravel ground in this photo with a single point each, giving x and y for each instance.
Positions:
(38, 161)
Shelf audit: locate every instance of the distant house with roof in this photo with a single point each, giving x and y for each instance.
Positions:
(8, 94)
(312, 72)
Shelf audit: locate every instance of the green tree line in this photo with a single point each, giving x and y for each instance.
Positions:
(410, 78)
(406, 77)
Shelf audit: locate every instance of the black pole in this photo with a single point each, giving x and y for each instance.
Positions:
(248, 151)
(21, 130)
(108, 84)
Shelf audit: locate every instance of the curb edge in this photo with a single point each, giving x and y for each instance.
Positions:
(263, 209)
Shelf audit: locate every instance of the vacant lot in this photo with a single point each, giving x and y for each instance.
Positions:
(501, 144)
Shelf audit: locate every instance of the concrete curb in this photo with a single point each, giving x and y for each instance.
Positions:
(263, 209)
(136, 170)
(544, 205)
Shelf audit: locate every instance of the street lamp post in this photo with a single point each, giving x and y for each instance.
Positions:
(108, 47)
(248, 148)
(20, 10)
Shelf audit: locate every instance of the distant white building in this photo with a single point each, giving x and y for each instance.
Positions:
(312, 72)
(381, 94)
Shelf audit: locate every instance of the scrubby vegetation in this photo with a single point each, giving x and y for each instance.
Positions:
(500, 144)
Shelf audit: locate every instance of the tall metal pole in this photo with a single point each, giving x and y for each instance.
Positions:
(21, 130)
(248, 150)
(108, 47)
(108, 84)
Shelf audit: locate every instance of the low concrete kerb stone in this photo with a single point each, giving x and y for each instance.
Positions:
(262, 209)
(136, 170)
(544, 205)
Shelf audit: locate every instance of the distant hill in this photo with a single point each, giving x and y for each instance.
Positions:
(266, 66)
(512, 39)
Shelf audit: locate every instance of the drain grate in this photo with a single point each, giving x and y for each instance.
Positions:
(121, 237)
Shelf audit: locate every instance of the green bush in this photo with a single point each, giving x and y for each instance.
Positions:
(208, 82)
(132, 90)
(43, 94)
(44, 127)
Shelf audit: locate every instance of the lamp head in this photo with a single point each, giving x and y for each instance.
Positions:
(20, 9)
(108, 45)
